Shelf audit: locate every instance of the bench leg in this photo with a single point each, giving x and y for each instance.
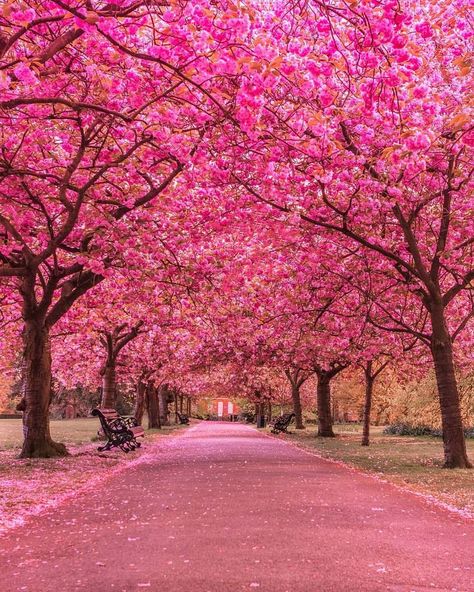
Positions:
(107, 446)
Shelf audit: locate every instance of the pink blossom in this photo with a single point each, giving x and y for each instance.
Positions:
(25, 74)
(424, 29)
(418, 141)
(399, 41)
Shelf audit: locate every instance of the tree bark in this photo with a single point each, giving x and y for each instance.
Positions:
(158, 406)
(324, 397)
(152, 407)
(258, 412)
(297, 409)
(108, 386)
(324, 405)
(140, 402)
(455, 454)
(163, 404)
(369, 388)
(175, 395)
(37, 393)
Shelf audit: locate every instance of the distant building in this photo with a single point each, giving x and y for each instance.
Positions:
(220, 408)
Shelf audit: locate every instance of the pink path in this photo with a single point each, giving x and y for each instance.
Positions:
(224, 509)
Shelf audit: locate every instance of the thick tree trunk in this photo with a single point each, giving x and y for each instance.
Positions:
(270, 411)
(181, 404)
(369, 388)
(37, 394)
(455, 455)
(158, 406)
(140, 402)
(163, 404)
(152, 407)
(258, 412)
(108, 387)
(176, 420)
(297, 409)
(324, 406)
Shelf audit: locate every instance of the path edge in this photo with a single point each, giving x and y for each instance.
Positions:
(426, 498)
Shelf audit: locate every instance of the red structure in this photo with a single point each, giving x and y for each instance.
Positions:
(222, 407)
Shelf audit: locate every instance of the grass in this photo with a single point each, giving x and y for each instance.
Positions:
(27, 486)
(413, 462)
(68, 431)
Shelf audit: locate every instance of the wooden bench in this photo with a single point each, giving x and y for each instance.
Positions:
(119, 431)
(281, 424)
(183, 419)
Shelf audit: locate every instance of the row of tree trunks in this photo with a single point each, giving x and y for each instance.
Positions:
(156, 402)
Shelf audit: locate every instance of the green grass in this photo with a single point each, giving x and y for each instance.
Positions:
(69, 431)
(414, 462)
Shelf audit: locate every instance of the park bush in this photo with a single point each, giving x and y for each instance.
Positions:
(406, 429)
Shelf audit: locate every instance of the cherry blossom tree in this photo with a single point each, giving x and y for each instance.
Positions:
(368, 141)
(105, 112)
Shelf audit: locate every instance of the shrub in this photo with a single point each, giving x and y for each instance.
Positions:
(406, 429)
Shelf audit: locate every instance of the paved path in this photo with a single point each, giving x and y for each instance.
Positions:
(225, 509)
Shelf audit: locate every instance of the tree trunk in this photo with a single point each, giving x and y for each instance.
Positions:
(258, 412)
(455, 455)
(164, 415)
(270, 411)
(369, 388)
(176, 420)
(156, 394)
(181, 404)
(37, 394)
(108, 387)
(324, 406)
(152, 407)
(297, 409)
(140, 402)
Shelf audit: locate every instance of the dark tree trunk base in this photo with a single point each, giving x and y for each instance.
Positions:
(326, 434)
(457, 463)
(43, 449)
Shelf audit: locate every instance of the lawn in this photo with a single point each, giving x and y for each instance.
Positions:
(27, 486)
(69, 431)
(413, 462)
